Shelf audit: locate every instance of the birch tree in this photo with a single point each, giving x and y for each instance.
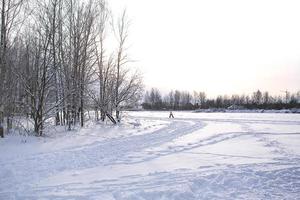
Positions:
(10, 10)
(122, 59)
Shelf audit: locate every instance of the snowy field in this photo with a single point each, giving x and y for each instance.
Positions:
(148, 156)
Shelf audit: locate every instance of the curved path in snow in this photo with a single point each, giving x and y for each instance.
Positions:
(189, 157)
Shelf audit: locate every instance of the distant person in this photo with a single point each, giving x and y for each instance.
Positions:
(171, 115)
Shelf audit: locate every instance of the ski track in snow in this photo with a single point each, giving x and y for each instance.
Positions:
(91, 171)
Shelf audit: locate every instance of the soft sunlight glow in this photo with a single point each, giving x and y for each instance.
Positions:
(216, 46)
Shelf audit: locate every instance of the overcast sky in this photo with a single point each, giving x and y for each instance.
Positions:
(217, 46)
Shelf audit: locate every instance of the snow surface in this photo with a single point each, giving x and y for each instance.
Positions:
(148, 156)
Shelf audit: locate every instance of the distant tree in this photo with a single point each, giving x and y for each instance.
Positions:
(266, 98)
(171, 99)
(257, 97)
(182, 100)
(185, 101)
(177, 96)
(287, 96)
(195, 97)
(202, 99)
(147, 98)
(293, 101)
(219, 101)
(242, 100)
(235, 99)
(247, 100)
(155, 99)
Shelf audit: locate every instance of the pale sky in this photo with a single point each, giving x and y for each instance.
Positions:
(216, 46)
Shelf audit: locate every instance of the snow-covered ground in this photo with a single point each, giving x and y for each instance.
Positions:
(148, 156)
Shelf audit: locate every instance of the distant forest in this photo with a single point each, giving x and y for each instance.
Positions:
(181, 100)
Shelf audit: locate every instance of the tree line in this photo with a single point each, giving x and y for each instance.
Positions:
(57, 60)
(182, 100)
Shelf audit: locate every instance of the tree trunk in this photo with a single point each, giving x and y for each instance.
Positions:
(117, 114)
(103, 115)
(81, 113)
(1, 132)
(2, 60)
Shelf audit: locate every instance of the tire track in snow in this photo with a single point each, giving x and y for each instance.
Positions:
(254, 181)
(15, 179)
(223, 182)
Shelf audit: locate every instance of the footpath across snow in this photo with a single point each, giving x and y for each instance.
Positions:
(148, 156)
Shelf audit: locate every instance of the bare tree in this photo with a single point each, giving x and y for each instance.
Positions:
(104, 71)
(48, 68)
(257, 97)
(202, 99)
(122, 35)
(10, 10)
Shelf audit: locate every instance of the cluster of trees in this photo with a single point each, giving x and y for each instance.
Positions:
(175, 100)
(55, 62)
(178, 100)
